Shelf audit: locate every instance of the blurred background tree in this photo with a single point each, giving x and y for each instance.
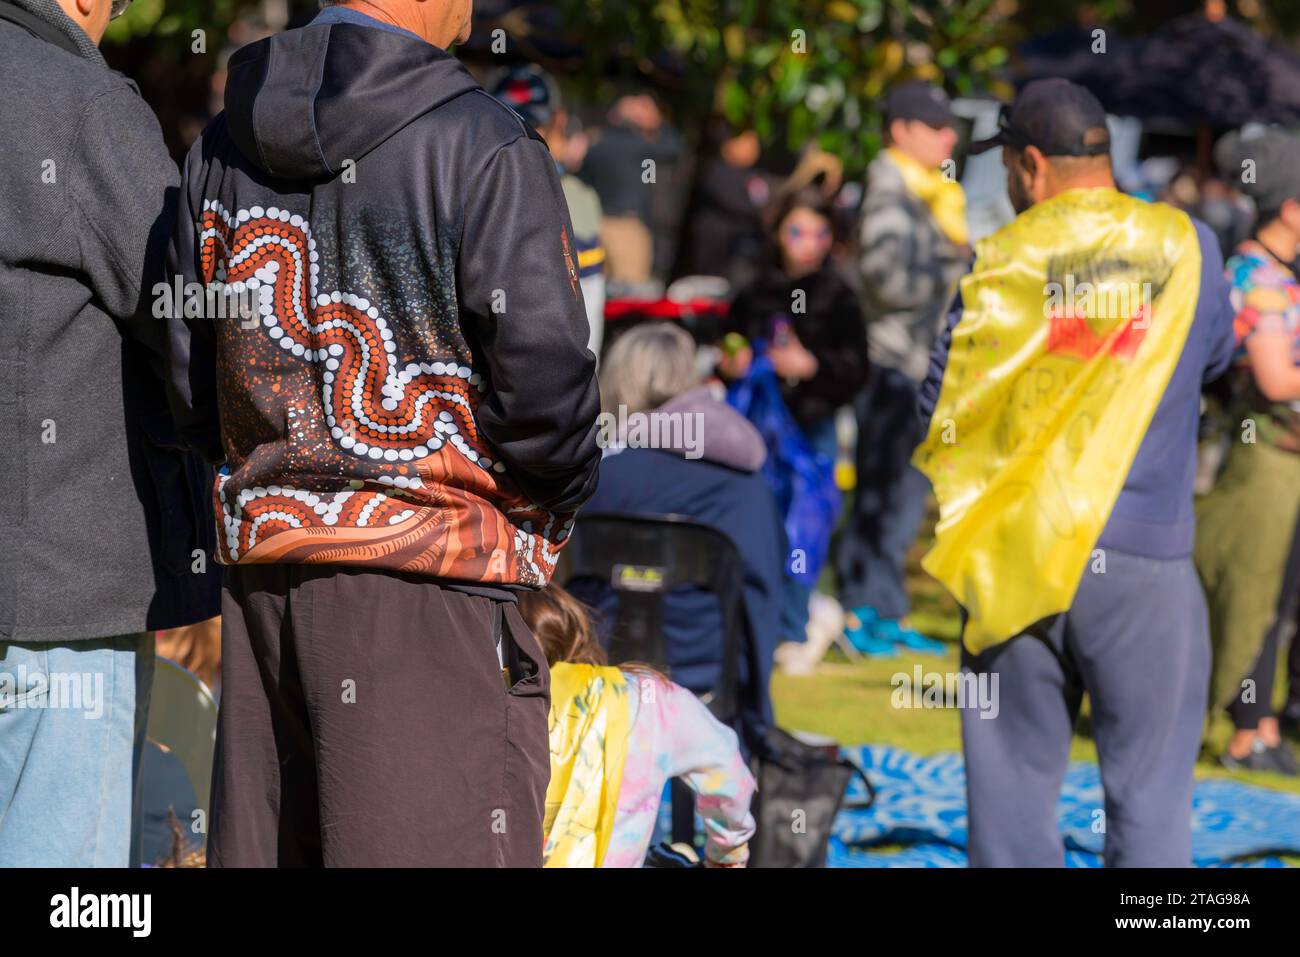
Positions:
(169, 19)
(174, 50)
(1278, 17)
(794, 70)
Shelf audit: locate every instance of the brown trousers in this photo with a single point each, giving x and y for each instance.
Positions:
(365, 721)
(629, 248)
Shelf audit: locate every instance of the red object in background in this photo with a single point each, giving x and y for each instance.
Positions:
(616, 309)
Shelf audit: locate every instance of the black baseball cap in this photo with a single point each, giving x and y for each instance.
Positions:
(1059, 117)
(918, 100)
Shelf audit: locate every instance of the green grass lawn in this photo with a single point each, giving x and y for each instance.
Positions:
(850, 700)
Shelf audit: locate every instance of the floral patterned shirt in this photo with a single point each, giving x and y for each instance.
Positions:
(1266, 298)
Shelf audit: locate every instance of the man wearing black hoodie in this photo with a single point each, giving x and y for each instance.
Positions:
(407, 423)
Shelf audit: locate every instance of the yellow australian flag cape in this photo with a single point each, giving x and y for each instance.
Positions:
(589, 724)
(1074, 317)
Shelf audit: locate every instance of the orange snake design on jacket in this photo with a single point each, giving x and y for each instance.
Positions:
(430, 477)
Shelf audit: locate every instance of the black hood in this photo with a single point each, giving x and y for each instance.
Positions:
(300, 103)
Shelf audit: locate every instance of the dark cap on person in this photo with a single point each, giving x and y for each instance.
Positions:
(529, 92)
(1263, 163)
(1060, 118)
(918, 100)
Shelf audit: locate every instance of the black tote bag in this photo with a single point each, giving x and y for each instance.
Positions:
(801, 788)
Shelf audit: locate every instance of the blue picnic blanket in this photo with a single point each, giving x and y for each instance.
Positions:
(920, 811)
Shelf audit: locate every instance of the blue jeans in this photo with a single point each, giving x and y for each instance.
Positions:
(72, 723)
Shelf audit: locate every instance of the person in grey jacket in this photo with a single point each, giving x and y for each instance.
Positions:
(912, 252)
(106, 524)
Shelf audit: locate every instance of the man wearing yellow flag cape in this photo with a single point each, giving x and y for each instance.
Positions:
(1063, 404)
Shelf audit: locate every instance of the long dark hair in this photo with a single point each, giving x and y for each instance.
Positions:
(563, 627)
(808, 197)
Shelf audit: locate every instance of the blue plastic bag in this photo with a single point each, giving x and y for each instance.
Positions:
(802, 480)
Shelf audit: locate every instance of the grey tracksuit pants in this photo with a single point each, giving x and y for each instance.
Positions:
(1136, 639)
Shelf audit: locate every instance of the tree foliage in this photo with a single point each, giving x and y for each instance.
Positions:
(167, 20)
(797, 70)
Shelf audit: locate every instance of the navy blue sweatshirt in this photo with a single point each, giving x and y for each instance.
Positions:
(1153, 515)
(725, 489)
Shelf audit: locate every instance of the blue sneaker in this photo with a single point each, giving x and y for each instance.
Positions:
(860, 627)
(895, 631)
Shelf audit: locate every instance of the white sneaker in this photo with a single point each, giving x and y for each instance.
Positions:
(825, 623)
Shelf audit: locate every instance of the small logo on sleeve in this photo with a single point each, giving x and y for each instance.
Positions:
(570, 260)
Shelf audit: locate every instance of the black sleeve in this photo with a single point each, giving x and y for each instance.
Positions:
(841, 352)
(928, 394)
(725, 188)
(1214, 307)
(192, 354)
(741, 317)
(522, 303)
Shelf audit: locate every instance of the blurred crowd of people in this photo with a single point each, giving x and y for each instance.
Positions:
(846, 321)
(823, 332)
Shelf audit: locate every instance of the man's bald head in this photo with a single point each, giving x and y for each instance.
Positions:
(91, 15)
(441, 22)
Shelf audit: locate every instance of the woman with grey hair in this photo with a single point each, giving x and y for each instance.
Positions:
(652, 396)
(647, 366)
(672, 446)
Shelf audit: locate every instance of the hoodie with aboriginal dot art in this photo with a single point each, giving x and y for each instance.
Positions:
(388, 353)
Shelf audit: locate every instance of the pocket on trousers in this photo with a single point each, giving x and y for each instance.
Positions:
(524, 659)
(24, 676)
(527, 746)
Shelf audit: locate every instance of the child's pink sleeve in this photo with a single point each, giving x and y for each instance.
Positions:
(704, 753)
